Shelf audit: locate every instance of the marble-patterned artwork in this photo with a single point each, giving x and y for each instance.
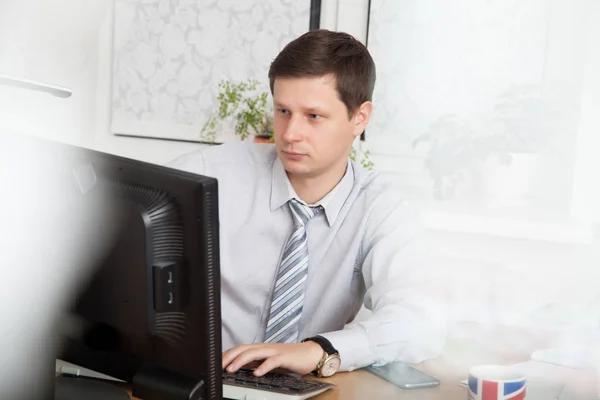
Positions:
(170, 55)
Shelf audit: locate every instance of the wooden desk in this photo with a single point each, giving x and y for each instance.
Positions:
(364, 385)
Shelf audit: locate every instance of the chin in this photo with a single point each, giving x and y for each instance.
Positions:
(295, 168)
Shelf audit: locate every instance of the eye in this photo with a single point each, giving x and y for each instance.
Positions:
(314, 116)
(282, 111)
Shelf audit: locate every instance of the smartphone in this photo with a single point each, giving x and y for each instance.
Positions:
(404, 376)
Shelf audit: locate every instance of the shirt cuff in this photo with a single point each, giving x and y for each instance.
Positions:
(353, 347)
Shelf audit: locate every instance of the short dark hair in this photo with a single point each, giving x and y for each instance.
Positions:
(322, 52)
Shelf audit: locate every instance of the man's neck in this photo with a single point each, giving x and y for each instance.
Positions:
(312, 189)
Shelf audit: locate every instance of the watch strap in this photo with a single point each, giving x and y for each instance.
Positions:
(324, 343)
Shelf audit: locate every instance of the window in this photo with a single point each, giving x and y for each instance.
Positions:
(465, 86)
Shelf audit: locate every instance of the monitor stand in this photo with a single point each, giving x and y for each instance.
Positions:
(88, 389)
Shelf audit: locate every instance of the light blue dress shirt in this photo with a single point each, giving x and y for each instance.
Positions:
(362, 250)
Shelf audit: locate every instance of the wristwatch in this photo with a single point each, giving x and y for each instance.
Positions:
(330, 362)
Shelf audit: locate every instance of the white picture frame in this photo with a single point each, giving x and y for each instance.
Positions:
(170, 55)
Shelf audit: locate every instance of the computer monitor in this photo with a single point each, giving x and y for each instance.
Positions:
(150, 312)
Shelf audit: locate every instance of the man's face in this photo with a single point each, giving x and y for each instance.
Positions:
(313, 133)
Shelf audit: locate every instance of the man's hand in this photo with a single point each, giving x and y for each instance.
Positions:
(301, 358)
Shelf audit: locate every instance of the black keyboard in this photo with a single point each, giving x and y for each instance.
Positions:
(274, 382)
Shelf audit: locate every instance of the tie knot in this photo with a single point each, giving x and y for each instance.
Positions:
(303, 213)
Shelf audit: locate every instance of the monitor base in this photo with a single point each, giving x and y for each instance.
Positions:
(88, 389)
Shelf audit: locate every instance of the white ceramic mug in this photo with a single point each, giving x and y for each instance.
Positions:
(496, 382)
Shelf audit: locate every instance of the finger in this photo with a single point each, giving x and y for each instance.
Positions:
(233, 353)
(268, 365)
(252, 365)
(251, 354)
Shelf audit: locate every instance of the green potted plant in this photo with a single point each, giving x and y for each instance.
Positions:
(365, 159)
(242, 103)
(503, 158)
(453, 154)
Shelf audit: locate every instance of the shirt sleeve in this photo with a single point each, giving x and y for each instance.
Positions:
(408, 320)
(189, 162)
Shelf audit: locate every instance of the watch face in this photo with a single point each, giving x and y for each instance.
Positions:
(331, 365)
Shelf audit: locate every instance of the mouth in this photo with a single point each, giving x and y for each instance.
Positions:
(293, 154)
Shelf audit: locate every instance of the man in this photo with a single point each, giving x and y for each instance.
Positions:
(307, 235)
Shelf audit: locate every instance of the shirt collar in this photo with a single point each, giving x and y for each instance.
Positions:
(282, 191)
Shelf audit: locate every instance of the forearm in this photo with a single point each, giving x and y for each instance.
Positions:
(401, 334)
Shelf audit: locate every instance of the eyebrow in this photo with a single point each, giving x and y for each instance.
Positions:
(313, 109)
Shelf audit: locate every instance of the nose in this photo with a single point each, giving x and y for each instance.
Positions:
(293, 130)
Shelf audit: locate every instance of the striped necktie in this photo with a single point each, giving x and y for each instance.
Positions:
(288, 296)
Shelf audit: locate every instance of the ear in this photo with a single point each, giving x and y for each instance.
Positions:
(361, 117)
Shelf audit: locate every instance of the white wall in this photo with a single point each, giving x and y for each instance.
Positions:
(346, 15)
(53, 42)
(67, 43)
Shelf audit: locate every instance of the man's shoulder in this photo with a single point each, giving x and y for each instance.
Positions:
(386, 206)
(380, 195)
(374, 185)
(227, 155)
(240, 153)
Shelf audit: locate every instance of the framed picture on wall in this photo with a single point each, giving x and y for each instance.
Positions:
(169, 57)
